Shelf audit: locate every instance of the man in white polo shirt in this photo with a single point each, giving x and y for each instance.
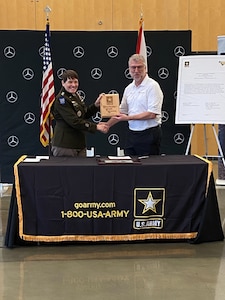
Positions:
(141, 106)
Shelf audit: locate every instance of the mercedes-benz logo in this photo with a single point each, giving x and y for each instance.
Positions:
(28, 74)
(97, 117)
(163, 73)
(113, 139)
(78, 51)
(41, 51)
(112, 52)
(178, 138)
(60, 72)
(13, 141)
(165, 116)
(29, 118)
(96, 73)
(81, 94)
(9, 52)
(149, 51)
(179, 51)
(127, 74)
(113, 92)
(11, 97)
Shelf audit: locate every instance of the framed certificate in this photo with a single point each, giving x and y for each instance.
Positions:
(109, 105)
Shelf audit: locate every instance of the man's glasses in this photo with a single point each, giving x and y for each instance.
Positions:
(133, 68)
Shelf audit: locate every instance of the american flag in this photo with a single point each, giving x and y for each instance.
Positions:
(48, 92)
(141, 45)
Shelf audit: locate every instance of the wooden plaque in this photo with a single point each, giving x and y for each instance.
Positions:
(109, 105)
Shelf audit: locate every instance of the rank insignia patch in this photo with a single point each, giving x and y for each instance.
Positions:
(62, 100)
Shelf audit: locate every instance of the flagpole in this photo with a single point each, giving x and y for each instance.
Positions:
(48, 93)
(47, 11)
(141, 45)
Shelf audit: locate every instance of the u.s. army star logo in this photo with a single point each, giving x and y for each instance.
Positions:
(149, 203)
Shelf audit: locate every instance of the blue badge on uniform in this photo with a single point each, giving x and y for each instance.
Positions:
(62, 100)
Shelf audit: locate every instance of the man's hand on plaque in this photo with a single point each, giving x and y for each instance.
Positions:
(121, 117)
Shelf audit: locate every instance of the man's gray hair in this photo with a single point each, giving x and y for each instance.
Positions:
(137, 58)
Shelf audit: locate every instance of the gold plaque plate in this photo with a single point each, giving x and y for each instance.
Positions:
(109, 105)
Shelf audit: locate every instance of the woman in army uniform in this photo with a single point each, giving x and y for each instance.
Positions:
(71, 118)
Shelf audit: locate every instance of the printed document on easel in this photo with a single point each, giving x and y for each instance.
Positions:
(201, 90)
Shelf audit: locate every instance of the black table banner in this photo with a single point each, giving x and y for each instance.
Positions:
(162, 198)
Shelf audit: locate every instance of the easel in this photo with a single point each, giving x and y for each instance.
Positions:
(205, 142)
(197, 76)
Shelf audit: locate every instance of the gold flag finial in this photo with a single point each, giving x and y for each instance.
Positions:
(141, 14)
(141, 11)
(47, 11)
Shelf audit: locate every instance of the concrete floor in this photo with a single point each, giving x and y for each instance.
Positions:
(112, 271)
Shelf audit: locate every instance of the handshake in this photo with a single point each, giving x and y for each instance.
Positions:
(103, 127)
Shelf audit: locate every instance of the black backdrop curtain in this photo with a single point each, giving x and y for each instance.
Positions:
(100, 58)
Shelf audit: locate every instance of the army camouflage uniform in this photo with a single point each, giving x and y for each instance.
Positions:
(71, 121)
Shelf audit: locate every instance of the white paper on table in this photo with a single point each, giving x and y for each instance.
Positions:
(35, 159)
(119, 157)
